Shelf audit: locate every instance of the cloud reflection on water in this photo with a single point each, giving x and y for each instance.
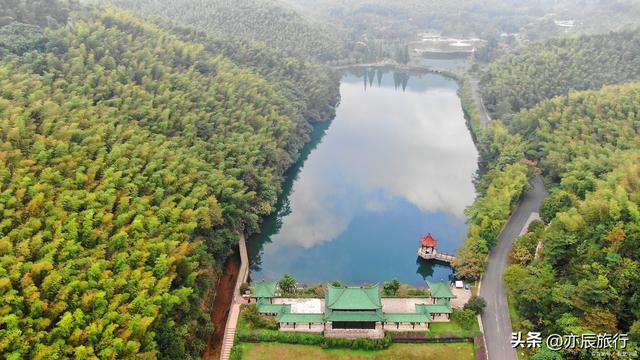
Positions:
(382, 144)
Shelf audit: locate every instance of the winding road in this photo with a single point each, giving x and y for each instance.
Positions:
(485, 119)
(495, 319)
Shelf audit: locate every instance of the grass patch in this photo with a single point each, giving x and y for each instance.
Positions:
(452, 329)
(275, 351)
(513, 312)
(474, 289)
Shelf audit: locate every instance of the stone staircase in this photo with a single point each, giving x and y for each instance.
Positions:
(229, 332)
(234, 312)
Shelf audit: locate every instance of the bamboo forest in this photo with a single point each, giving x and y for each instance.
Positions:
(251, 179)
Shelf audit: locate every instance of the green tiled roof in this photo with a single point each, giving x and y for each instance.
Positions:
(407, 317)
(352, 298)
(300, 318)
(443, 306)
(274, 308)
(265, 290)
(354, 315)
(440, 290)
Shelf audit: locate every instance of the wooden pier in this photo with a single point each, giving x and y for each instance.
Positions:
(436, 256)
(427, 250)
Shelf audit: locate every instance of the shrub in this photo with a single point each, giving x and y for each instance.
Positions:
(476, 304)
(546, 354)
(302, 338)
(466, 318)
(255, 320)
(391, 287)
(634, 331)
(287, 284)
(357, 344)
(417, 292)
(236, 351)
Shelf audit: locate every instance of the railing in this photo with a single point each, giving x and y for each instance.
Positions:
(436, 255)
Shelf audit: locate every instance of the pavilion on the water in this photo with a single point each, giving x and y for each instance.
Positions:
(427, 250)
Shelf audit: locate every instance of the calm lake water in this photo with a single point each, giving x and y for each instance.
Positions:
(451, 62)
(396, 162)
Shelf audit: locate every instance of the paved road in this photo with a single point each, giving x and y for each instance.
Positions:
(485, 119)
(495, 319)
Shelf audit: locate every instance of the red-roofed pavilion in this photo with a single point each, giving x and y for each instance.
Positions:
(428, 243)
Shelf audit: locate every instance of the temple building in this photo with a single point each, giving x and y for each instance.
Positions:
(353, 307)
(440, 291)
(265, 291)
(353, 312)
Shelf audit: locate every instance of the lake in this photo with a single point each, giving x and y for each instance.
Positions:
(396, 163)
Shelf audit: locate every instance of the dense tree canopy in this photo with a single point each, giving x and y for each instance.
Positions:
(488, 19)
(505, 178)
(260, 20)
(586, 275)
(36, 12)
(309, 86)
(541, 71)
(129, 158)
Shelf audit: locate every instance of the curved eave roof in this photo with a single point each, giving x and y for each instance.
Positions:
(353, 298)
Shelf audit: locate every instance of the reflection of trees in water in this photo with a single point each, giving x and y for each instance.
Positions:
(426, 269)
(400, 78)
(272, 224)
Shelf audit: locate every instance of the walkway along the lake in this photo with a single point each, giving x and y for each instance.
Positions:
(444, 257)
(234, 312)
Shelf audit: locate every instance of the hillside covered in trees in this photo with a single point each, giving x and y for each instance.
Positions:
(129, 158)
(543, 70)
(576, 272)
(488, 19)
(586, 277)
(257, 20)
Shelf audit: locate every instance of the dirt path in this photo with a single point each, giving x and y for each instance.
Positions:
(222, 305)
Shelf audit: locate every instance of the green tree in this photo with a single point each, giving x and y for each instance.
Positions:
(476, 304)
(546, 354)
(465, 317)
(391, 287)
(288, 284)
(634, 331)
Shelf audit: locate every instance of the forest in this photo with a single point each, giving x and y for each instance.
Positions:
(130, 158)
(487, 19)
(586, 276)
(576, 271)
(523, 79)
(135, 146)
(541, 71)
(258, 20)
